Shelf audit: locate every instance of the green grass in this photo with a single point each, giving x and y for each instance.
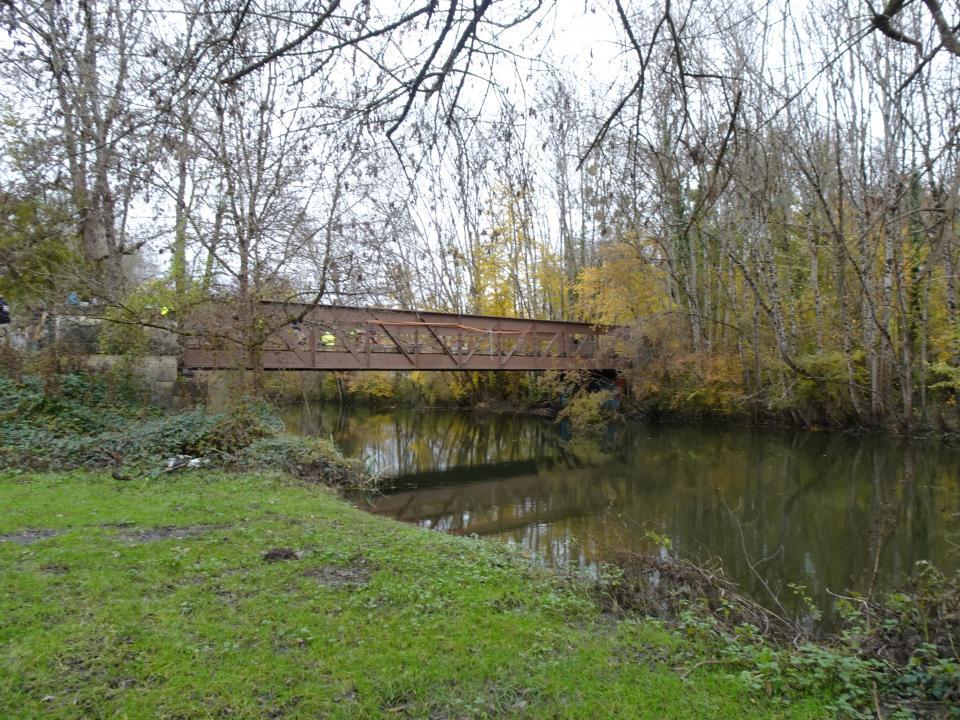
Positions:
(374, 619)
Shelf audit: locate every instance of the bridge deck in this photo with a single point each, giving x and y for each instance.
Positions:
(327, 337)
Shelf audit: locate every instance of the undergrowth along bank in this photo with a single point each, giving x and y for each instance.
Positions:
(894, 656)
(79, 421)
(692, 389)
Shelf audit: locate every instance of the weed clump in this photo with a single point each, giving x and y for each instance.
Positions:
(310, 459)
(896, 657)
(665, 587)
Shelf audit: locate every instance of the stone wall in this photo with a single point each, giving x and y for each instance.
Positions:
(158, 372)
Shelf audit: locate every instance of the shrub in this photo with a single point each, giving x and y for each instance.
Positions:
(67, 403)
(589, 410)
(310, 459)
(824, 391)
(244, 421)
(143, 442)
(712, 387)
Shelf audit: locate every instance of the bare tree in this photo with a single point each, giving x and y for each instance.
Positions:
(93, 95)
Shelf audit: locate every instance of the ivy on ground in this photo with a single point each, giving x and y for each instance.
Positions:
(74, 421)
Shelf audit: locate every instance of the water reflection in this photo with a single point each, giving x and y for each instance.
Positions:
(829, 512)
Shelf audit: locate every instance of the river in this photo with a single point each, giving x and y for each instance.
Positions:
(832, 513)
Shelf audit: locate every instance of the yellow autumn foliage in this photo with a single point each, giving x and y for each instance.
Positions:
(624, 288)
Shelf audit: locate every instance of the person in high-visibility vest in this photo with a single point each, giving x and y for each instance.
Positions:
(328, 339)
(4, 322)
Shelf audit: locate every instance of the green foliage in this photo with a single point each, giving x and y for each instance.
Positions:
(589, 410)
(553, 384)
(916, 632)
(69, 403)
(405, 389)
(710, 398)
(89, 421)
(824, 391)
(807, 669)
(311, 459)
(900, 653)
(126, 328)
(668, 380)
(944, 380)
(36, 249)
(142, 442)
(243, 422)
(439, 389)
(375, 388)
(409, 389)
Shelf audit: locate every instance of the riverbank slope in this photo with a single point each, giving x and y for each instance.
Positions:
(255, 595)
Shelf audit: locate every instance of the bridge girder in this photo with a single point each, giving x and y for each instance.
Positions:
(323, 337)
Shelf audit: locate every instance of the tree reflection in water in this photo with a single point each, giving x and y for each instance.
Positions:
(829, 512)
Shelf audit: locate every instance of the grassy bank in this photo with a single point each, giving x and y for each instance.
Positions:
(181, 598)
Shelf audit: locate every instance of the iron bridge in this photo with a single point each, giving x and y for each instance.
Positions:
(327, 337)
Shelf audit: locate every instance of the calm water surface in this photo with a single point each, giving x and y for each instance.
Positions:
(825, 511)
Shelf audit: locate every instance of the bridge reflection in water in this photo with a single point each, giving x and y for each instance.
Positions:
(810, 509)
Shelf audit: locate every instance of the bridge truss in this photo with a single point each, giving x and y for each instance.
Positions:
(325, 337)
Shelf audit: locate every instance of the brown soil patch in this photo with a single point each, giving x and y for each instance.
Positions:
(339, 575)
(277, 554)
(167, 533)
(28, 537)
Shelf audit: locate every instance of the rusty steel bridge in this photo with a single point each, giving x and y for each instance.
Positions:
(327, 337)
